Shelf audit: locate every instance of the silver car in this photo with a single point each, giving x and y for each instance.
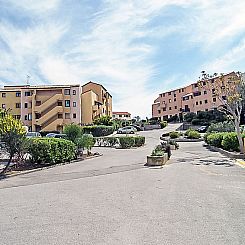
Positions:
(33, 134)
(127, 130)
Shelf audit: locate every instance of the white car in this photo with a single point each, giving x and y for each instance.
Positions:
(33, 134)
(127, 130)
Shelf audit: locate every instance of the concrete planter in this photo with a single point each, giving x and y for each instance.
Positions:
(157, 160)
(172, 147)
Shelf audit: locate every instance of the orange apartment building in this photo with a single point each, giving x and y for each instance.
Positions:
(49, 108)
(96, 102)
(121, 115)
(190, 98)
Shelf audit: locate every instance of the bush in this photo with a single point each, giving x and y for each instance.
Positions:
(221, 127)
(214, 139)
(51, 150)
(86, 141)
(193, 134)
(126, 142)
(98, 131)
(139, 141)
(174, 135)
(73, 131)
(230, 142)
(163, 124)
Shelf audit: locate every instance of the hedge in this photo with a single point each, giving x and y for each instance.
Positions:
(193, 134)
(98, 131)
(226, 140)
(51, 150)
(123, 142)
(163, 124)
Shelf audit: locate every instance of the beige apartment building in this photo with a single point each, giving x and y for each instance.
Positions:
(49, 108)
(96, 102)
(120, 115)
(190, 98)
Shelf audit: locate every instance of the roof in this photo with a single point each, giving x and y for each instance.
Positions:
(121, 113)
(98, 85)
(40, 86)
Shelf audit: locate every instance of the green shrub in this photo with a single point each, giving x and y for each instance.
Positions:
(215, 139)
(139, 141)
(221, 127)
(73, 131)
(230, 142)
(174, 135)
(126, 142)
(193, 134)
(51, 150)
(98, 131)
(86, 141)
(163, 124)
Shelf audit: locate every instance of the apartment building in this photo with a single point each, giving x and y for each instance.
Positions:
(96, 102)
(190, 98)
(121, 115)
(44, 108)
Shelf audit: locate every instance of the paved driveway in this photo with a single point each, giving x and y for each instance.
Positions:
(197, 199)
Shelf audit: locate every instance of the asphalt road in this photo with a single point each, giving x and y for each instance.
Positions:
(198, 198)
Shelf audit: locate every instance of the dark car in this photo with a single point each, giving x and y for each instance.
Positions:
(202, 129)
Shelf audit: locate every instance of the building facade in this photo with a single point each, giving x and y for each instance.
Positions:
(49, 108)
(121, 115)
(191, 98)
(44, 108)
(96, 102)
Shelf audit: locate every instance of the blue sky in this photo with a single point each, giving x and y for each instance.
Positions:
(136, 49)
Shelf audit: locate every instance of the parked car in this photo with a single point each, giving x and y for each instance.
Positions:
(138, 128)
(54, 135)
(202, 129)
(33, 134)
(127, 130)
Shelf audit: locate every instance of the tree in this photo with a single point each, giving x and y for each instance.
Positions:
(229, 91)
(12, 134)
(104, 120)
(72, 131)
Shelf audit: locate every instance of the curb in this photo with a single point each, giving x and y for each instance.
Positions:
(46, 167)
(240, 163)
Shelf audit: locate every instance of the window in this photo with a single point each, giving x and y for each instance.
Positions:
(170, 108)
(204, 83)
(67, 103)
(163, 95)
(159, 111)
(26, 117)
(67, 116)
(26, 105)
(29, 117)
(180, 109)
(224, 97)
(200, 102)
(60, 115)
(174, 95)
(179, 90)
(182, 90)
(17, 117)
(27, 93)
(18, 105)
(67, 91)
(74, 92)
(74, 104)
(3, 106)
(197, 93)
(214, 99)
(174, 99)
(74, 115)
(206, 109)
(3, 95)
(38, 103)
(197, 103)
(59, 103)
(196, 85)
(175, 107)
(213, 90)
(169, 93)
(164, 109)
(170, 100)
(18, 94)
(205, 92)
(206, 101)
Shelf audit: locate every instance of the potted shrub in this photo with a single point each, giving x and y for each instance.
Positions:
(173, 144)
(159, 155)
